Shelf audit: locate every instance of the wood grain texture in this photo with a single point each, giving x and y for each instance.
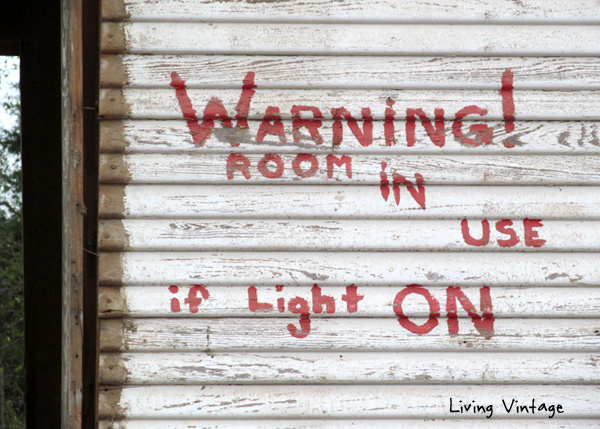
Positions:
(348, 368)
(205, 169)
(350, 39)
(345, 268)
(342, 402)
(346, 335)
(113, 39)
(337, 235)
(176, 355)
(173, 136)
(348, 72)
(392, 11)
(377, 302)
(347, 202)
(345, 424)
(114, 10)
(152, 103)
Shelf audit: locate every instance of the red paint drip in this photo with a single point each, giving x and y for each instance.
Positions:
(243, 106)
(388, 125)
(397, 180)
(279, 288)
(417, 193)
(508, 102)
(186, 107)
(384, 188)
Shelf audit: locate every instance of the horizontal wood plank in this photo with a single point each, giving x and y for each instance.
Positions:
(257, 402)
(170, 136)
(338, 168)
(343, 39)
(343, 235)
(346, 424)
(140, 103)
(394, 11)
(348, 368)
(345, 268)
(345, 335)
(347, 202)
(375, 302)
(348, 72)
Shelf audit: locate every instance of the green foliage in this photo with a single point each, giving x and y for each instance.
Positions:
(11, 256)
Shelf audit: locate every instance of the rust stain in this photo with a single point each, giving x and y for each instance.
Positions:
(112, 137)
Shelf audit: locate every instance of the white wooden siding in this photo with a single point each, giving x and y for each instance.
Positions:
(226, 301)
(398, 11)
(439, 170)
(347, 202)
(339, 335)
(342, 39)
(343, 424)
(170, 136)
(340, 235)
(306, 401)
(256, 272)
(340, 268)
(532, 105)
(349, 72)
(349, 368)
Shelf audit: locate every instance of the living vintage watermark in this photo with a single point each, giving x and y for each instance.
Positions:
(508, 406)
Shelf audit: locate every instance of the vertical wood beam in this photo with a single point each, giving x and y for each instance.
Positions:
(74, 211)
